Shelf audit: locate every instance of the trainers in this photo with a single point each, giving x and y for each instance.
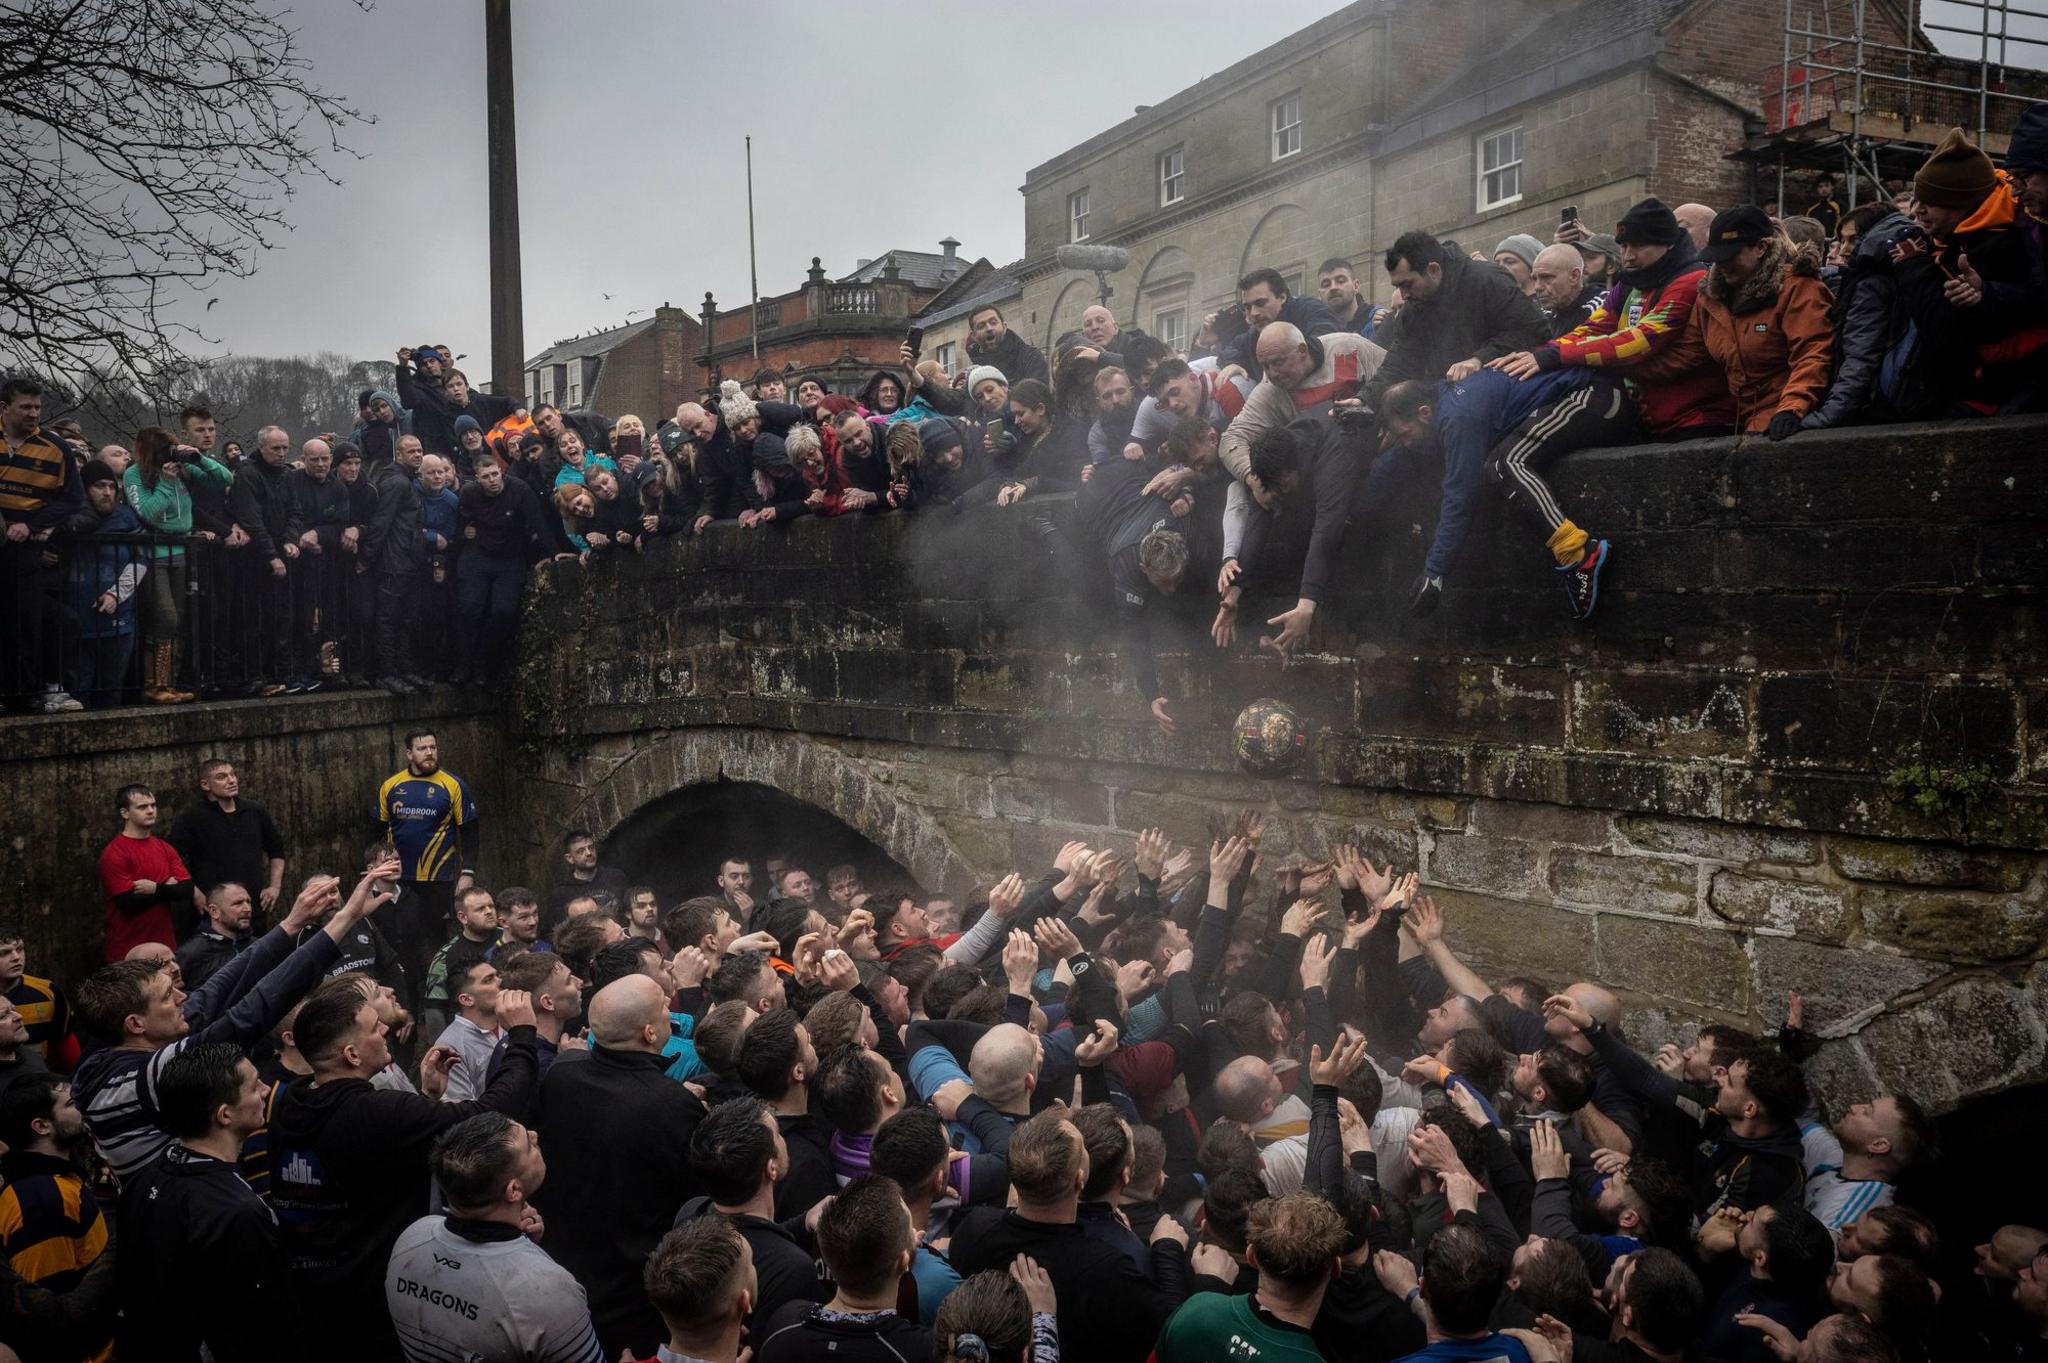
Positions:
(297, 686)
(57, 701)
(1582, 579)
(1428, 595)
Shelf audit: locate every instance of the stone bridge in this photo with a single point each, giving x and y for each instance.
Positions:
(1805, 744)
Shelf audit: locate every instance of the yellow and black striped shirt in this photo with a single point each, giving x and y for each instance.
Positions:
(31, 473)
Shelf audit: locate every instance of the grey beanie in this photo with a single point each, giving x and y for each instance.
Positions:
(1523, 245)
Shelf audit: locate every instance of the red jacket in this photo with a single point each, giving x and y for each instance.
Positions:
(1675, 383)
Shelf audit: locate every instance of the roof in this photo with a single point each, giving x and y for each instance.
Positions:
(1591, 35)
(594, 346)
(919, 269)
(993, 287)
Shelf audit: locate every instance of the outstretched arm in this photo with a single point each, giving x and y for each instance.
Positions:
(1426, 922)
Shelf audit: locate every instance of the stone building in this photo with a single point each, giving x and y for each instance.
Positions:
(842, 328)
(645, 368)
(1471, 120)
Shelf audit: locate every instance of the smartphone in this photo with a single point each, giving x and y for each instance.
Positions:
(915, 340)
(627, 445)
(1569, 213)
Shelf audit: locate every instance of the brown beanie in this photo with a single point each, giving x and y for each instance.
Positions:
(1957, 176)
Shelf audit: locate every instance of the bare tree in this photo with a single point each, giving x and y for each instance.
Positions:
(148, 148)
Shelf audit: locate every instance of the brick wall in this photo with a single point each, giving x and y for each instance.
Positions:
(1690, 135)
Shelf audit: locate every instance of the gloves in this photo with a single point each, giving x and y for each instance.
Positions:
(1782, 425)
(1427, 595)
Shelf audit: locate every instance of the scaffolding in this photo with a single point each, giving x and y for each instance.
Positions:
(1861, 91)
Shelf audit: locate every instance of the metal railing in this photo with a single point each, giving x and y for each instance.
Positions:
(125, 619)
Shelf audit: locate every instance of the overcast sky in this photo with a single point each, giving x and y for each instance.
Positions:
(878, 124)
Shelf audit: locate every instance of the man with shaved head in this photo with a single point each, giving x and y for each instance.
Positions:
(1005, 1065)
(616, 1133)
(1305, 376)
(1695, 219)
(1559, 285)
(1613, 1119)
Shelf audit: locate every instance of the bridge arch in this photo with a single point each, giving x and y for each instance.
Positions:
(643, 805)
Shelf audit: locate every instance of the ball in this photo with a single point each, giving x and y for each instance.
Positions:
(1269, 737)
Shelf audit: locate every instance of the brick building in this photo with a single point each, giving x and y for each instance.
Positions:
(842, 329)
(1473, 120)
(645, 368)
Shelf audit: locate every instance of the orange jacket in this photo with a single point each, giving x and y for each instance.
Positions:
(1775, 344)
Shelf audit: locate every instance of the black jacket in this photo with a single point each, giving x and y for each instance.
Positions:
(1103, 1298)
(434, 412)
(203, 953)
(1477, 312)
(1312, 315)
(616, 1133)
(350, 1174)
(810, 1176)
(261, 505)
(509, 525)
(1330, 464)
(189, 1223)
(725, 475)
(218, 847)
(1575, 314)
(320, 505)
(1016, 357)
(1865, 293)
(797, 1335)
(785, 1267)
(393, 544)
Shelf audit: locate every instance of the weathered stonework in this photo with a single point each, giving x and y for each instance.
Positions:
(1865, 827)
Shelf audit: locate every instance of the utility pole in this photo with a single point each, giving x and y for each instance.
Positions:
(508, 323)
(753, 270)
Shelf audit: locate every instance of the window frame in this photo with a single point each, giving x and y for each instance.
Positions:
(1275, 130)
(946, 354)
(1077, 222)
(1481, 172)
(1177, 181)
(1179, 315)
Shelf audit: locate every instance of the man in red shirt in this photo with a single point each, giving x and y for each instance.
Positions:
(142, 877)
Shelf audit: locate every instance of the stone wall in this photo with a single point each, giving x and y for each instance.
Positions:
(1804, 746)
(313, 761)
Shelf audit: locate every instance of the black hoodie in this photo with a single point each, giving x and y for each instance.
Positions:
(350, 1174)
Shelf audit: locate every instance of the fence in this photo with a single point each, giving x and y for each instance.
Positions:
(120, 619)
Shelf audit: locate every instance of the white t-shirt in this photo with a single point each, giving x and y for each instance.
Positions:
(1837, 1201)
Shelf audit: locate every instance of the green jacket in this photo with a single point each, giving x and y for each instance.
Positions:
(166, 509)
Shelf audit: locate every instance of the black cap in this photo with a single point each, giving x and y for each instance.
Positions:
(1735, 228)
(1649, 223)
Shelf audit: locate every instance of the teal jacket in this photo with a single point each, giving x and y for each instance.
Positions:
(166, 509)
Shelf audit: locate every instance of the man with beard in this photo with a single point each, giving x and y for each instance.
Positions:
(1637, 335)
(991, 342)
(1115, 409)
(51, 1229)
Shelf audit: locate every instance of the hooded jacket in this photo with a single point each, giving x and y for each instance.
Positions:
(1477, 312)
(1770, 334)
(1866, 296)
(378, 441)
(801, 1332)
(1640, 329)
(434, 412)
(351, 1173)
(1985, 358)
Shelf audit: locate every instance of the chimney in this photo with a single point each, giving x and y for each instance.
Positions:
(951, 265)
(862, 263)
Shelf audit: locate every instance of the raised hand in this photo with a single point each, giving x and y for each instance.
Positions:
(1150, 856)
(1133, 978)
(1037, 1285)
(435, 1067)
(1226, 858)
(688, 968)
(1401, 891)
(1395, 1271)
(1056, 937)
(837, 972)
(1566, 1007)
(515, 1008)
(1547, 1157)
(314, 900)
(1070, 857)
(1006, 895)
(1345, 1057)
(1374, 881)
(1099, 1047)
(1301, 916)
(1316, 955)
(1426, 921)
(1020, 962)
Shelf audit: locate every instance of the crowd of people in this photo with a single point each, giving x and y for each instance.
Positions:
(1143, 1103)
(394, 555)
